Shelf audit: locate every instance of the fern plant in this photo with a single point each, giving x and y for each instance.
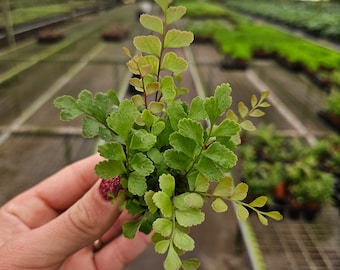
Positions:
(169, 156)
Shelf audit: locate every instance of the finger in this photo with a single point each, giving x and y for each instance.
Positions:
(71, 183)
(116, 229)
(48, 199)
(121, 251)
(79, 226)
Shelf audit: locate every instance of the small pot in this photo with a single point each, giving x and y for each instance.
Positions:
(294, 209)
(311, 210)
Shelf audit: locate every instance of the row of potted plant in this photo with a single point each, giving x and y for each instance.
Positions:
(331, 112)
(246, 40)
(319, 19)
(298, 178)
(204, 9)
(240, 40)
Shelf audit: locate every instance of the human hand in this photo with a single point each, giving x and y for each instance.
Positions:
(54, 224)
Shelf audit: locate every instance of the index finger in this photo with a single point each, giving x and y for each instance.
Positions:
(65, 187)
(45, 201)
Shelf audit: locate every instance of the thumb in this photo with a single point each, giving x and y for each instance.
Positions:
(79, 226)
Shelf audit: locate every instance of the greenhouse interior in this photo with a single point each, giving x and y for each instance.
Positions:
(217, 122)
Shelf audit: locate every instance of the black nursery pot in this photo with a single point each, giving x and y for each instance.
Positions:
(236, 64)
(294, 209)
(331, 119)
(311, 210)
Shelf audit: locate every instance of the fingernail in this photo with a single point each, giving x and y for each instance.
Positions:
(109, 188)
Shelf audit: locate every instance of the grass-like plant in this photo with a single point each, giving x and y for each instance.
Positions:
(169, 156)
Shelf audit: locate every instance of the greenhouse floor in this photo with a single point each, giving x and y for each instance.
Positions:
(298, 244)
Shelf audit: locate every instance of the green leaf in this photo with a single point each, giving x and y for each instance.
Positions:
(176, 160)
(151, 88)
(150, 60)
(134, 208)
(264, 105)
(168, 89)
(69, 106)
(142, 140)
(264, 95)
(209, 169)
(242, 109)
(137, 184)
(105, 134)
(219, 205)
(142, 164)
(130, 228)
(202, 183)
(197, 111)
(240, 192)
(259, 201)
(138, 100)
(155, 155)
(225, 187)
(174, 63)
(189, 217)
(157, 128)
(177, 39)
(191, 129)
(210, 106)
(226, 128)
(253, 101)
(112, 96)
(109, 169)
(194, 200)
(262, 219)
(276, 215)
(163, 202)
(137, 83)
(222, 95)
(183, 241)
(85, 100)
(179, 202)
(156, 237)
(149, 202)
(172, 260)
(257, 113)
(231, 115)
(167, 184)
(152, 23)
(218, 104)
(147, 220)
(173, 14)
(112, 150)
(90, 127)
(156, 107)
(148, 44)
(242, 212)
(148, 118)
(163, 226)
(162, 246)
(221, 155)
(183, 144)
(176, 113)
(122, 121)
(144, 69)
(163, 4)
(248, 125)
(190, 264)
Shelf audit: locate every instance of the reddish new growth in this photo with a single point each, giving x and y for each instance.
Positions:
(110, 186)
